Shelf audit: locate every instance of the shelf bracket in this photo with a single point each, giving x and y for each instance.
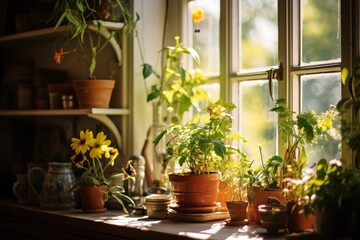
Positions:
(110, 124)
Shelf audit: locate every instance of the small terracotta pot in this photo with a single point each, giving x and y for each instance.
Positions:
(237, 210)
(296, 220)
(92, 199)
(193, 190)
(93, 93)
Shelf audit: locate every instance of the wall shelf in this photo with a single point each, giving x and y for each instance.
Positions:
(65, 112)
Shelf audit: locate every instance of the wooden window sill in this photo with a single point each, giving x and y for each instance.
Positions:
(24, 222)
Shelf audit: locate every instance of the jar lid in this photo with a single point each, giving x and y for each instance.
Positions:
(157, 198)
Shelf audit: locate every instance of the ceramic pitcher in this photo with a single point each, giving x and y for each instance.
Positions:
(19, 188)
(55, 192)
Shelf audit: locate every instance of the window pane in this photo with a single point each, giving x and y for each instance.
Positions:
(259, 34)
(206, 42)
(257, 123)
(318, 93)
(320, 36)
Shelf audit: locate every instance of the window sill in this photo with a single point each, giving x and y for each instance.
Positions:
(29, 222)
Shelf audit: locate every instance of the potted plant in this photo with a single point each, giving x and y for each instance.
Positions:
(176, 89)
(93, 156)
(233, 177)
(77, 16)
(350, 125)
(297, 132)
(332, 192)
(200, 148)
(264, 181)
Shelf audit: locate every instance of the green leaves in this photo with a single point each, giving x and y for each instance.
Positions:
(176, 87)
(147, 70)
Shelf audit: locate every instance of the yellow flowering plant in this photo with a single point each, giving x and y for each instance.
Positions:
(93, 156)
(201, 145)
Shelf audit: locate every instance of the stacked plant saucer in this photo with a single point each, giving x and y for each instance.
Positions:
(197, 213)
(157, 205)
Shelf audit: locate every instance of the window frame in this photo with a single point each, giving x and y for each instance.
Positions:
(288, 53)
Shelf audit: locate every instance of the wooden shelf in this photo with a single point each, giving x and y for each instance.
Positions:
(53, 32)
(65, 112)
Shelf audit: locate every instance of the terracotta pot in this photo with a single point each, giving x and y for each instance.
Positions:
(192, 190)
(260, 197)
(237, 210)
(296, 220)
(92, 199)
(93, 93)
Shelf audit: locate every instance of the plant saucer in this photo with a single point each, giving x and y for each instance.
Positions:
(236, 222)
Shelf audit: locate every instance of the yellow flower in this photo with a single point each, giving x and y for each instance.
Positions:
(112, 153)
(215, 110)
(84, 143)
(198, 15)
(100, 146)
(129, 171)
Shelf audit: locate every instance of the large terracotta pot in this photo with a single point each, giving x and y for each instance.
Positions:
(192, 190)
(92, 199)
(260, 197)
(93, 93)
(296, 220)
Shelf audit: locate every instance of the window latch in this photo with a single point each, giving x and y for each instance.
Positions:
(274, 73)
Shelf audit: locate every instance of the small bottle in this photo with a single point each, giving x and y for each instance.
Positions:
(136, 188)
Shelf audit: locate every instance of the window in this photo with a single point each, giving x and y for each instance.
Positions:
(262, 34)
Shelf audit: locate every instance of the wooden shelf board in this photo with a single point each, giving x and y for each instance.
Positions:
(65, 112)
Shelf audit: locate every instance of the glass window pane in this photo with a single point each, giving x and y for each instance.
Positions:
(318, 93)
(320, 34)
(256, 122)
(259, 34)
(207, 41)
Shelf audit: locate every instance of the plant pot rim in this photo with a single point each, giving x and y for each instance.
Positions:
(191, 173)
(236, 201)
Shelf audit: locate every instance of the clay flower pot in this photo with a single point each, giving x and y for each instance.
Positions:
(237, 210)
(92, 199)
(195, 190)
(93, 93)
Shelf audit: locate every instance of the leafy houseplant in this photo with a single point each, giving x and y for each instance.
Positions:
(233, 178)
(201, 145)
(298, 132)
(332, 191)
(350, 130)
(77, 14)
(200, 148)
(177, 89)
(100, 157)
